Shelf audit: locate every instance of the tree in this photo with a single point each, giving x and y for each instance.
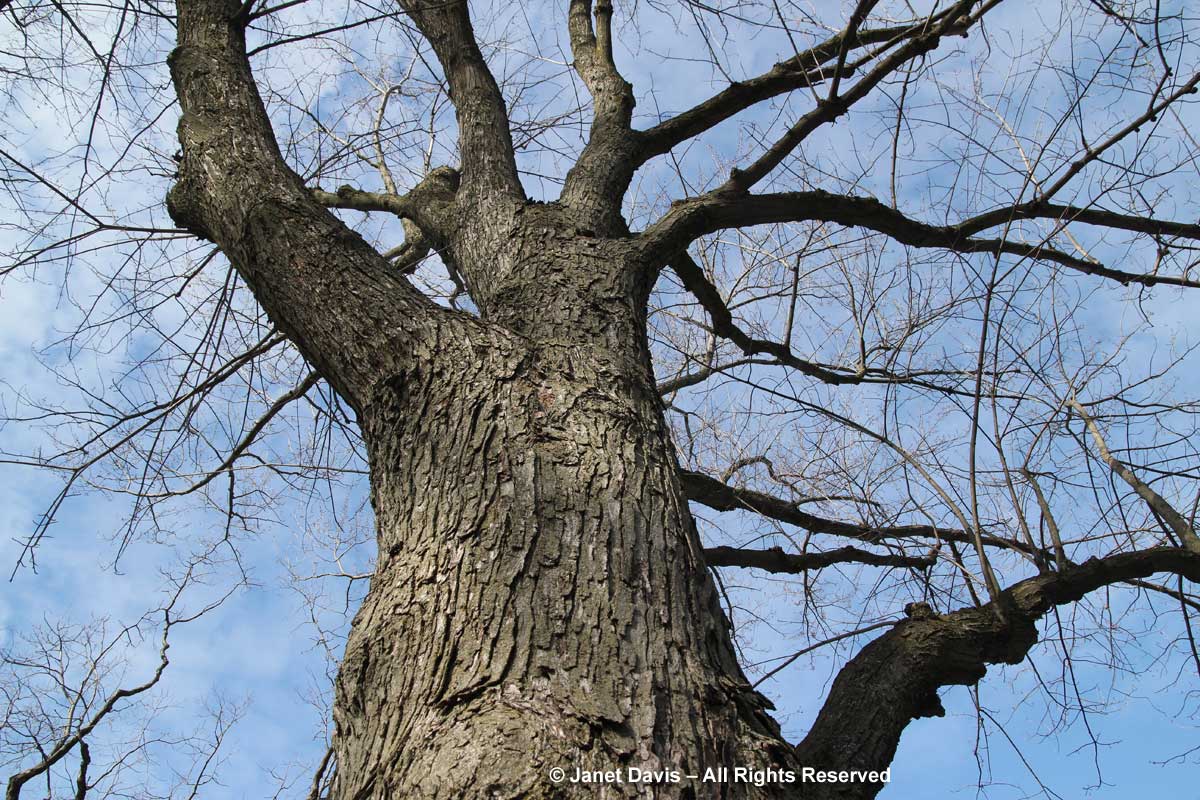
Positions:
(541, 595)
(58, 691)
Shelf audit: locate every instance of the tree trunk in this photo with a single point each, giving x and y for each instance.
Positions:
(540, 599)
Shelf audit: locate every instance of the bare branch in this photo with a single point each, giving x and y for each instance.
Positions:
(428, 205)
(693, 218)
(701, 374)
(720, 497)
(489, 166)
(802, 70)
(319, 779)
(76, 737)
(777, 560)
(1060, 556)
(596, 182)
(235, 189)
(694, 280)
(895, 678)
(1157, 503)
(251, 436)
(953, 21)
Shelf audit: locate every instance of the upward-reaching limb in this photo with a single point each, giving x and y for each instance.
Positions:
(489, 168)
(597, 182)
(614, 151)
(346, 308)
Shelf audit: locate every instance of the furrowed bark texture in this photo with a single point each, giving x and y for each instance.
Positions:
(540, 599)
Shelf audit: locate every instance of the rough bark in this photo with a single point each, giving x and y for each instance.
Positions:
(895, 678)
(349, 311)
(541, 598)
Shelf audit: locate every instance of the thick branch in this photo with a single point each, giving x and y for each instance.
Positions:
(1036, 209)
(318, 781)
(690, 219)
(489, 164)
(318, 281)
(357, 200)
(719, 496)
(802, 70)
(952, 21)
(596, 183)
(408, 255)
(426, 211)
(591, 46)
(81, 778)
(701, 374)
(895, 679)
(614, 152)
(777, 561)
(428, 203)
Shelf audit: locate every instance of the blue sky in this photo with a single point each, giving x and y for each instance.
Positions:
(261, 646)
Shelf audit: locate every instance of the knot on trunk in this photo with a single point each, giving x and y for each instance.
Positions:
(185, 211)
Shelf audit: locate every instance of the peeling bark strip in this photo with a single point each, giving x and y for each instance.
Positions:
(541, 600)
